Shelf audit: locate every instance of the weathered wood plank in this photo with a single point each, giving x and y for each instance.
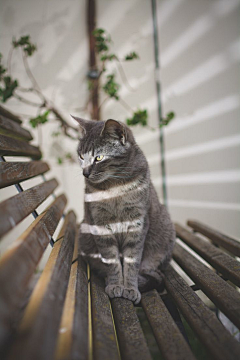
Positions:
(10, 115)
(14, 147)
(81, 337)
(15, 172)
(65, 333)
(169, 338)
(131, 339)
(20, 260)
(233, 246)
(104, 339)
(221, 261)
(43, 313)
(16, 208)
(73, 339)
(13, 129)
(219, 342)
(226, 298)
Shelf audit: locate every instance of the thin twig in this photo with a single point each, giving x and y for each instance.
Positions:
(33, 90)
(28, 102)
(9, 60)
(45, 102)
(123, 76)
(106, 99)
(125, 105)
(29, 73)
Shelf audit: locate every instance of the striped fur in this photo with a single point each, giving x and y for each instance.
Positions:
(126, 235)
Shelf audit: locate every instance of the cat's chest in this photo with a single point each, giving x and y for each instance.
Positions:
(117, 210)
(111, 210)
(117, 206)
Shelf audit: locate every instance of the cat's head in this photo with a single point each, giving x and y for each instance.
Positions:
(104, 150)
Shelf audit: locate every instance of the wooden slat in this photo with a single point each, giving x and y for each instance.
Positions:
(14, 147)
(11, 128)
(131, 340)
(81, 326)
(20, 260)
(222, 262)
(15, 172)
(169, 338)
(104, 339)
(226, 298)
(73, 340)
(16, 208)
(37, 334)
(233, 246)
(203, 321)
(65, 334)
(10, 115)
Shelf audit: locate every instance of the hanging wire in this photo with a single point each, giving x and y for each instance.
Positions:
(158, 88)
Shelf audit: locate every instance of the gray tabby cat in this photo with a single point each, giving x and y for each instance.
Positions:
(126, 235)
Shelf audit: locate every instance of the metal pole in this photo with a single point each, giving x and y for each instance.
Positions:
(158, 87)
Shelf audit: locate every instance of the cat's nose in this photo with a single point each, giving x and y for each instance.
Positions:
(86, 172)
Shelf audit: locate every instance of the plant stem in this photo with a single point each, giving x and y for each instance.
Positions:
(25, 101)
(123, 76)
(9, 60)
(125, 105)
(106, 99)
(30, 74)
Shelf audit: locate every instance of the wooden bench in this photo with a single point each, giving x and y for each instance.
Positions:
(68, 315)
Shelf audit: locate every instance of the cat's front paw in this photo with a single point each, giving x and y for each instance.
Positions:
(132, 294)
(114, 290)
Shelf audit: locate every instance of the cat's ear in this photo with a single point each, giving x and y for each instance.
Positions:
(84, 125)
(115, 129)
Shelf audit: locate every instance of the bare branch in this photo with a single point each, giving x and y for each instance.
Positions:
(125, 105)
(25, 101)
(105, 100)
(123, 76)
(30, 74)
(9, 60)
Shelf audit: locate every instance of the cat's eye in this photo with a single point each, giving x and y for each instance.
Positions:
(81, 157)
(99, 158)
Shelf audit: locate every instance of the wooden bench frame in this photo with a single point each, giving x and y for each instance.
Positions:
(68, 315)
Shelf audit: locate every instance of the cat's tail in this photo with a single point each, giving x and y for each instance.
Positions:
(152, 279)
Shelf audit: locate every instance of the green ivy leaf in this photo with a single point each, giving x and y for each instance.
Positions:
(98, 31)
(68, 156)
(24, 42)
(56, 133)
(2, 68)
(90, 85)
(101, 40)
(169, 117)
(139, 117)
(111, 87)
(131, 56)
(40, 119)
(30, 49)
(109, 57)
(9, 86)
(2, 71)
(60, 160)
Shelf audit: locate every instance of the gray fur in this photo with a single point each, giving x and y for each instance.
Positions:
(127, 238)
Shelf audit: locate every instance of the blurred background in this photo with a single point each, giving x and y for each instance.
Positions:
(199, 53)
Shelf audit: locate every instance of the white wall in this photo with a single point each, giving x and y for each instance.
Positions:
(199, 55)
(199, 52)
